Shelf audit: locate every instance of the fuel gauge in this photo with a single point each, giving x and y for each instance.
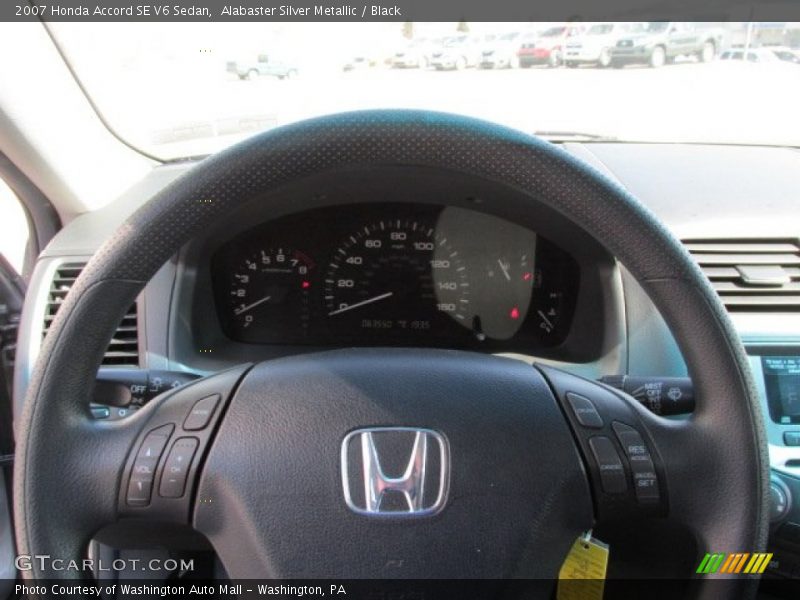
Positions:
(554, 292)
(547, 312)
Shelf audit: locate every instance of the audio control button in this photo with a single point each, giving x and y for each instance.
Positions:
(176, 469)
(143, 473)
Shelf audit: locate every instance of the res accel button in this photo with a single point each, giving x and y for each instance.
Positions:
(201, 413)
(645, 480)
(612, 473)
(584, 411)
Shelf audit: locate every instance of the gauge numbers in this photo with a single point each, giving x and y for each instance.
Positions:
(271, 285)
(397, 276)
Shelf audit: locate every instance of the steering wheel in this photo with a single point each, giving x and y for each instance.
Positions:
(285, 465)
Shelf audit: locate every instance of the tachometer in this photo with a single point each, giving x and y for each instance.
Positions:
(397, 276)
(270, 288)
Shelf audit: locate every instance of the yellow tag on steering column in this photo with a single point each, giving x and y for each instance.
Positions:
(583, 574)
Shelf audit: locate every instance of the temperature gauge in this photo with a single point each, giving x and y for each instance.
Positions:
(510, 280)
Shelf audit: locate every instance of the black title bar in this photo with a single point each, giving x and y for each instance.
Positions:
(400, 10)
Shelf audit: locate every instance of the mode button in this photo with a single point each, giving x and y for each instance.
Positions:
(201, 413)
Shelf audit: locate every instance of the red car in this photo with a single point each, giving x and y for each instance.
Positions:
(548, 47)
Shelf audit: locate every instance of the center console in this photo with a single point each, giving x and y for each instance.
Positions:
(777, 374)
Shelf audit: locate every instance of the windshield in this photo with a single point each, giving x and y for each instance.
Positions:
(188, 89)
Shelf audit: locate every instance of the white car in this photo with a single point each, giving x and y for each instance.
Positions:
(594, 46)
(754, 55)
(456, 54)
(786, 54)
(415, 54)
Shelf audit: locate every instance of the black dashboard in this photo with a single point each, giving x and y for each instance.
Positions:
(395, 274)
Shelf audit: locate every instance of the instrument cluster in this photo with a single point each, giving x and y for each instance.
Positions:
(394, 274)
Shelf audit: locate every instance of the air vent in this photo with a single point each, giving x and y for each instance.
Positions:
(124, 347)
(752, 275)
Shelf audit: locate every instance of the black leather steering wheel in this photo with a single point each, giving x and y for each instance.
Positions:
(266, 473)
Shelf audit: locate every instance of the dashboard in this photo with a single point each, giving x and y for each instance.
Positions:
(394, 274)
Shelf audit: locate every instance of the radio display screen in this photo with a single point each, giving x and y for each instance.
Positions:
(782, 381)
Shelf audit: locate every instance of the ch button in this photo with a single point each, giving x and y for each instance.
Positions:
(176, 469)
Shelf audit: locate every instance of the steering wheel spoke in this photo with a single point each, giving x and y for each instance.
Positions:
(643, 465)
(130, 468)
(163, 465)
(626, 469)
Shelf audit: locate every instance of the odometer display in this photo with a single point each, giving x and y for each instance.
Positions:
(397, 277)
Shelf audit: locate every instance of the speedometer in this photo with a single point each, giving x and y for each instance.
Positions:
(397, 276)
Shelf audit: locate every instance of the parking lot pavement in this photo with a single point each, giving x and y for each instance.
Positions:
(719, 102)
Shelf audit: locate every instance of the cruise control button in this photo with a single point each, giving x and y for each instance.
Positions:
(201, 413)
(645, 483)
(584, 411)
(645, 480)
(176, 469)
(612, 473)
